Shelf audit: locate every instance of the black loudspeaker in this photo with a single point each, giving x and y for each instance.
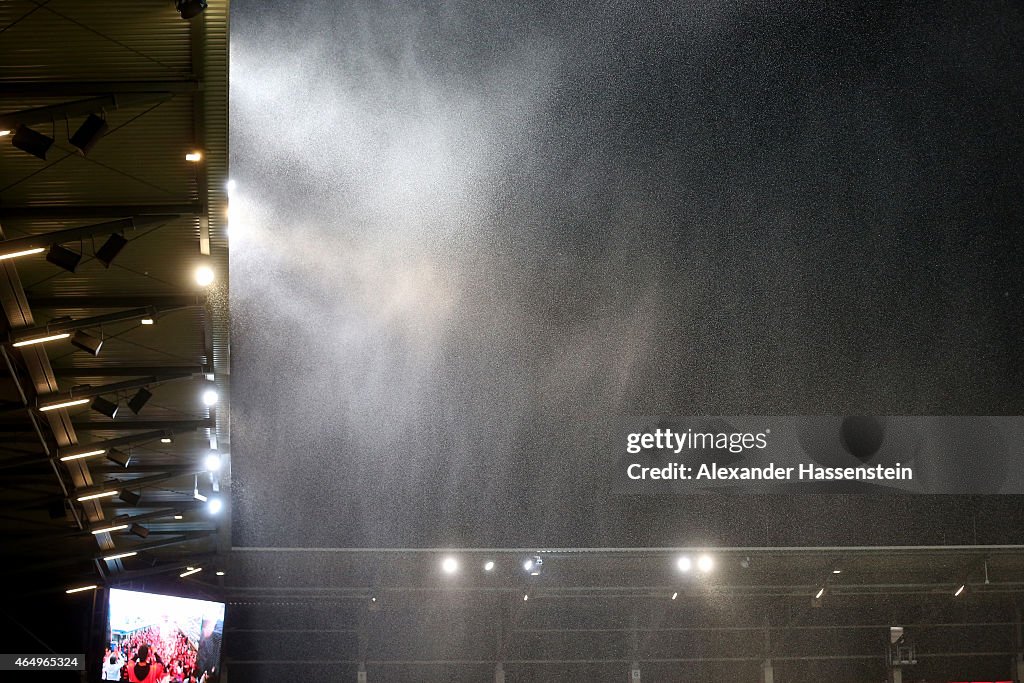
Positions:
(105, 407)
(139, 400)
(129, 497)
(89, 133)
(65, 258)
(110, 249)
(87, 343)
(28, 140)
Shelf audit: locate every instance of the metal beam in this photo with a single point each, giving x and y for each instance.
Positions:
(168, 211)
(75, 108)
(75, 559)
(578, 553)
(45, 239)
(118, 442)
(592, 661)
(61, 327)
(123, 371)
(118, 426)
(169, 301)
(62, 88)
(143, 547)
(193, 561)
(90, 392)
(140, 483)
(169, 469)
(130, 425)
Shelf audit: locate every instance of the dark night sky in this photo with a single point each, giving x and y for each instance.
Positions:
(466, 239)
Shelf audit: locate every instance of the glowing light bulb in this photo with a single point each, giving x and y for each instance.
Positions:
(204, 276)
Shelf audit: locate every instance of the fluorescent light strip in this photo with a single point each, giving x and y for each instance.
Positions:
(27, 252)
(64, 404)
(821, 591)
(92, 496)
(116, 527)
(76, 456)
(80, 589)
(190, 572)
(109, 558)
(959, 591)
(40, 340)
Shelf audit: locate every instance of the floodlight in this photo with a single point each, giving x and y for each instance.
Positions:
(488, 566)
(64, 258)
(28, 140)
(449, 565)
(533, 565)
(87, 342)
(139, 400)
(210, 398)
(684, 564)
(105, 407)
(212, 462)
(119, 457)
(139, 530)
(215, 505)
(110, 249)
(129, 497)
(89, 133)
(190, 8)
(204, 276)
(705, 563)
(4, 132)
(194, 156)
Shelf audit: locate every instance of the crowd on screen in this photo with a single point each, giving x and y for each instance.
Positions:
(152, 655)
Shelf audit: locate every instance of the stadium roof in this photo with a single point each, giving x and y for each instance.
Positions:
(159, 86)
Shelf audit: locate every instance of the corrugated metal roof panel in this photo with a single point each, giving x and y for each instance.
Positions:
(46, 53)
(70, 39)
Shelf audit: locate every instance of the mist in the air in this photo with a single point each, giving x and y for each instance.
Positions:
(466, 238)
